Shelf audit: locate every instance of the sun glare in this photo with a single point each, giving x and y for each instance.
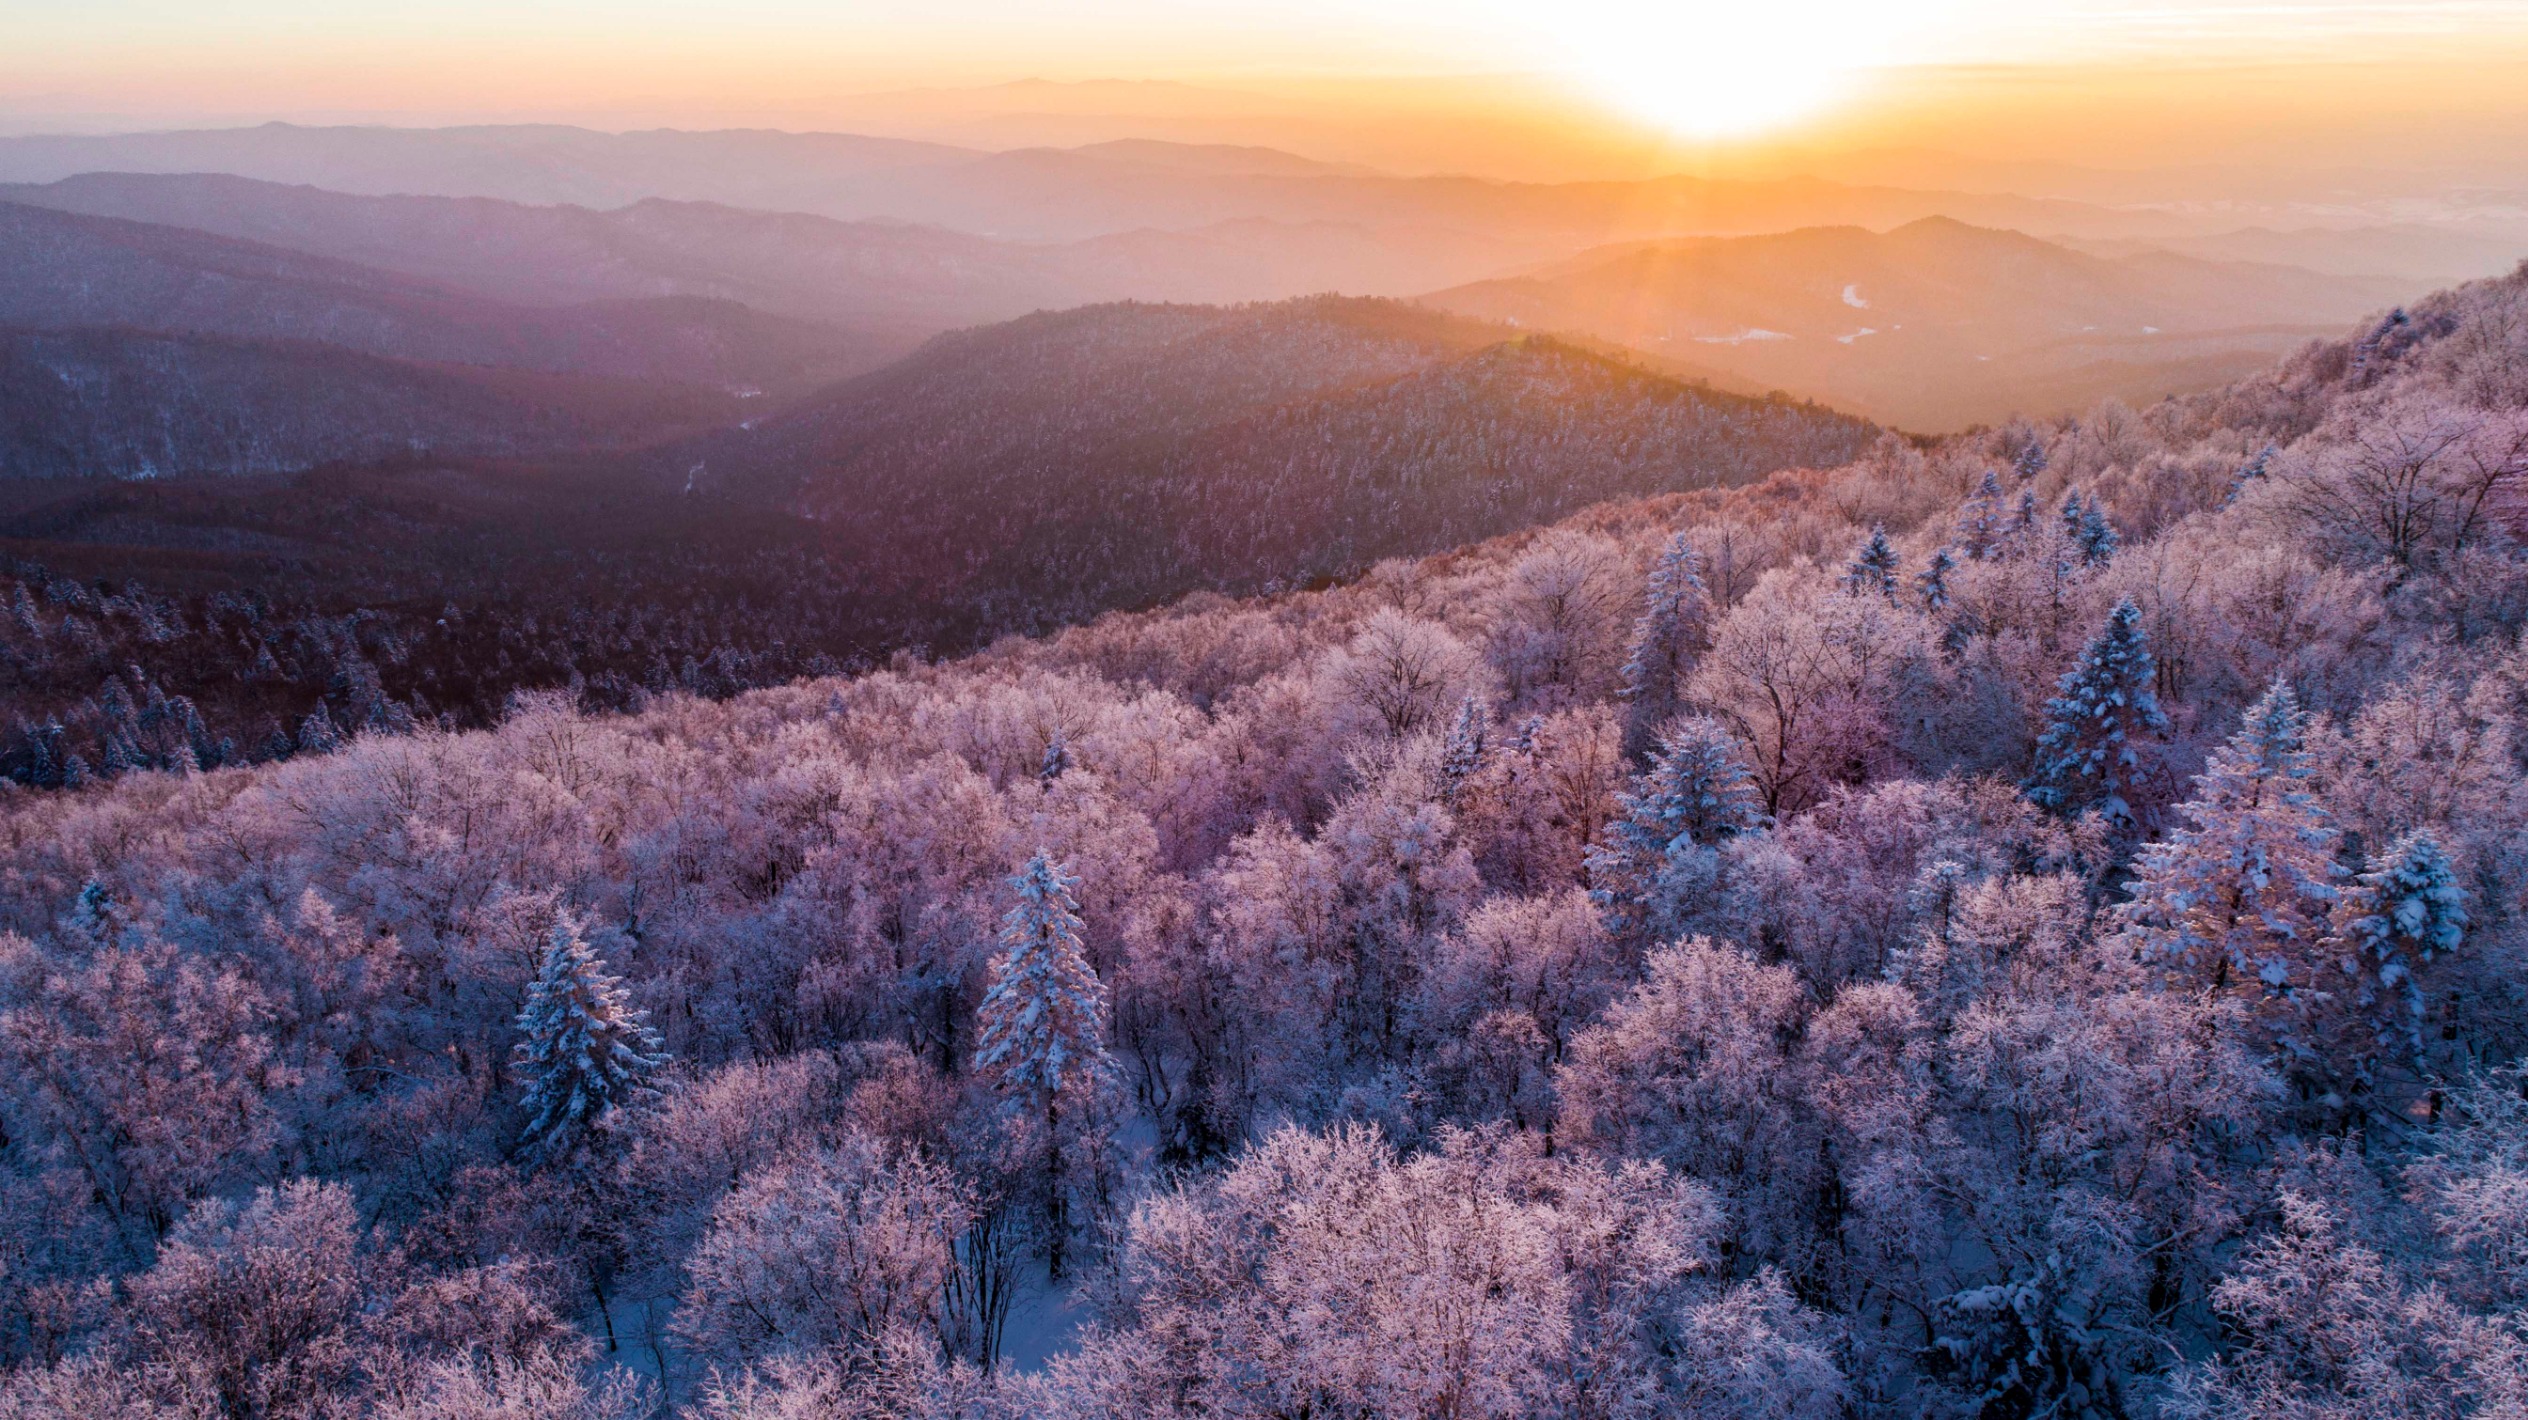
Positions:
(1707, 69)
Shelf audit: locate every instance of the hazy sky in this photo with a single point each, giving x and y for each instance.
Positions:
(1699, 67)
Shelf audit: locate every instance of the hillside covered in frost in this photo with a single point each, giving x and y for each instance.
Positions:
(2028, 924)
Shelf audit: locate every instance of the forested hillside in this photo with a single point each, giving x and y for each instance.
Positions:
(2028, 925)
(117, 403)
(1006, 479)
(1118, 455)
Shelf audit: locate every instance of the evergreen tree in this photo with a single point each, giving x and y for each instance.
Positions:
(316, 733)
(1041, 1036)
(1932, 582)
(583, 1047)
(1872, 570)
(2403, 912)
(2238, 899)
(1696, 795)
(2021, 534)
(1673, 629)
(1057, 760)
(2249, 472)
(2382, 341)
(1979, 519)
(2031, 462)
(2096, 536)
(2101, 708)
(1461, 758)
(2073, 514)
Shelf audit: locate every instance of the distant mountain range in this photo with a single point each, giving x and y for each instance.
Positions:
(1031, 194)
(1960, 324)
(1936, 324)
(895, 279)
(60, 269)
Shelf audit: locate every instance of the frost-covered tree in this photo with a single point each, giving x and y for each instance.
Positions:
(1979, 519)
(583, 1047)
(2095, 537)
(316, 733)
(1041, 1030)
(2074, 512)
(1674, 627)
(2100, 711)
(2250, 472)
(1696, 795)
(1932, 582)
(2021, 535)
(1462, 755)
(2030, 463)
(2238, 898)
(1872, 570)
(2404, 911)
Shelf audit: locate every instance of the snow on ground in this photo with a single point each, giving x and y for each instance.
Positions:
(1044, 1321)
(1852, 297)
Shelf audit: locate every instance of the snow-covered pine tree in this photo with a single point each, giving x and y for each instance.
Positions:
(2249, 472)
(1932, 582)
(2025, 523)
(583, 1047)
(2101, 709)
(1672, 630)
(2237, 900)
(2096, 536)
(2074, 511)
(1979, 518)
(1872, 570)
(1696, 795)
(2403, 912)
(1057, 759)
(1041, 1030)
(2382, 340)
(2031, 462)
(316, 733)
(1461, 756)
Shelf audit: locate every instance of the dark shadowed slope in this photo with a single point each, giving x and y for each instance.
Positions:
(120, 403)
(60, 270)
(1122, 454)
(1935, 324)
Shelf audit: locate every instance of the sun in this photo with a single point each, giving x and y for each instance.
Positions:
(1712, 70)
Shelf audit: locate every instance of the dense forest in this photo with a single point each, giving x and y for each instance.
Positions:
(2022, 925)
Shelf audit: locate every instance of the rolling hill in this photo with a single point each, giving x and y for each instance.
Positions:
(62, 270)
(1118, 455)
(902, 280)
(1936, 324)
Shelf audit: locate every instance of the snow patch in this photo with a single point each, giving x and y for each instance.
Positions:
(1852, 297)
(1753, 332)
(1848, 339)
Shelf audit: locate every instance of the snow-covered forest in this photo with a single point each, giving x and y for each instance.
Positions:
(2028, 924)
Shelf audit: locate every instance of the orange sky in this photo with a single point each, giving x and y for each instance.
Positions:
(1576, 87)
